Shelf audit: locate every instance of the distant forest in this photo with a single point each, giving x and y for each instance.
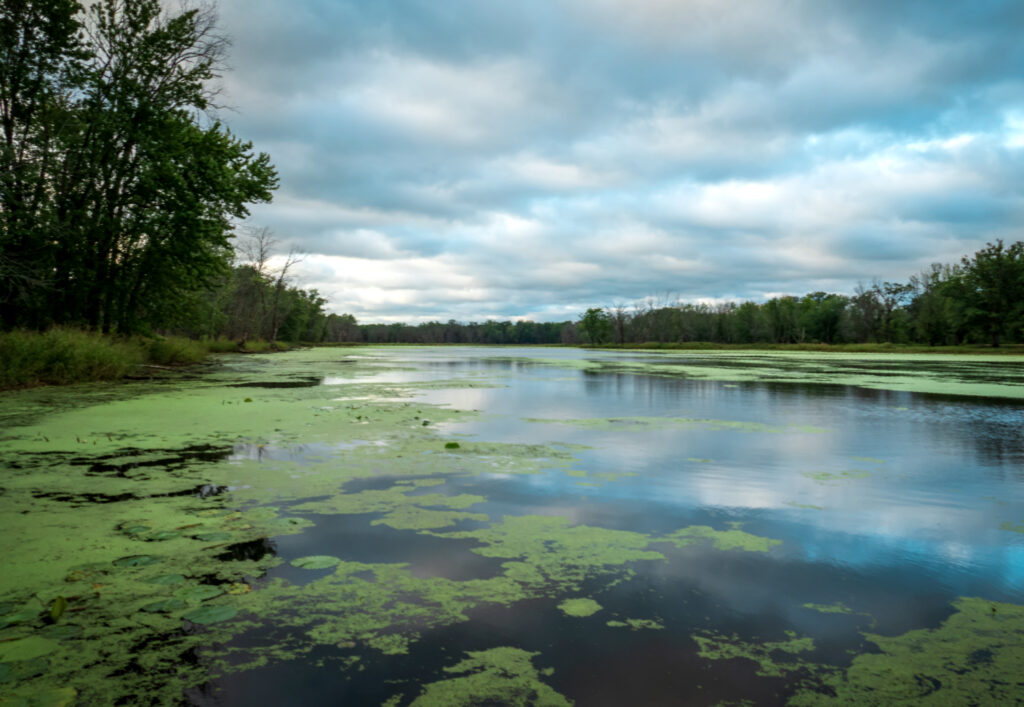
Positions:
(979, 300)
(120, 195)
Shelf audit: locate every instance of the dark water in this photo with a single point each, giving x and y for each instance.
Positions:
(892, 505)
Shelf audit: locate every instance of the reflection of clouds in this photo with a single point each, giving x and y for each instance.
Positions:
(932, 503)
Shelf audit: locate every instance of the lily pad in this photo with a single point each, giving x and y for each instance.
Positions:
(164, 606)
(21, 614)
(164, 535)
(215, 537)
(197, 594)
(167, 579)
(26, 648)
(62, 631)
(316, 562)
(211, 614)
(136, 561)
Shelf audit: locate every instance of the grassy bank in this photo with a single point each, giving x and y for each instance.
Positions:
(62, 356)
(1013, 349)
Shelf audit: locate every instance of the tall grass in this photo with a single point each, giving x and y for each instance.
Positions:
(174, 351)
(223, 345)
(62, 356)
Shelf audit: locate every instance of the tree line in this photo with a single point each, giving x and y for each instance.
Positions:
(978, 300)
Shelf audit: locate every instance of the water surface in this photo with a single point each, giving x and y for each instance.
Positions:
(526, 526)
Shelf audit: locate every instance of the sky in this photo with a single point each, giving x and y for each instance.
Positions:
(463, 159)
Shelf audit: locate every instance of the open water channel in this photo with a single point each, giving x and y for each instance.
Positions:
(445, 526)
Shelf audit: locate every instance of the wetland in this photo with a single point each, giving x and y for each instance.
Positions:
(551, 526)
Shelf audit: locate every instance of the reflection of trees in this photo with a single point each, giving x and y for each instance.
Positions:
(989, 429)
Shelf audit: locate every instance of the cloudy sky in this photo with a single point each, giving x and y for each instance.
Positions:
(468, 159)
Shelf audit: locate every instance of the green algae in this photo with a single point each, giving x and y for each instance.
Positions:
(504, 675)
(164, 606)
(834, 608)
(636, 624)
(390, 644)
(1012, 527)
(974, 657)
(416, 518)
(41, 697)
(581, 607)
(197, 594)
(805, 506)
(732, 539)
(773, 658)
(546, 553)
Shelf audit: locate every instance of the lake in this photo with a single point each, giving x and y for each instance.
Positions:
(551, 526)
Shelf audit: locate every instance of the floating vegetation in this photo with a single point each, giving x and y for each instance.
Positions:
(827, 477)
(416, 518)
(773, 658)
(805, 506)
(503, 675)
(834, 608)
(732, 539)
(579, 607)
(210, 614)
(636, 624)
(316, 562)
(136, 561)
(973, 658)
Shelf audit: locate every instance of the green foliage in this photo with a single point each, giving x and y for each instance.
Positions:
(175, 350)
(116, 202)
(63, 356)
(596, 325)
(991, 288)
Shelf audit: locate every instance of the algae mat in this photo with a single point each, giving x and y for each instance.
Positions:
(480, 526)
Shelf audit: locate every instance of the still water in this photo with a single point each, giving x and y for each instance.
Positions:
(554, 526)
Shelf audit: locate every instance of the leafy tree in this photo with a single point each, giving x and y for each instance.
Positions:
(120, 200)
(991, 288)
(39, 50)
(596, 324)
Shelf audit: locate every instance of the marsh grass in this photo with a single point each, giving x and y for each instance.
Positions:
(223, 345)
(61, 356)
(174, 351)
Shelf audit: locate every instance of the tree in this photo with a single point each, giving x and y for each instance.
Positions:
(991, 288)
(597, 325)
(132, 195)
(39, 48)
